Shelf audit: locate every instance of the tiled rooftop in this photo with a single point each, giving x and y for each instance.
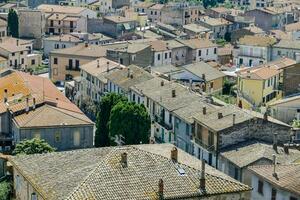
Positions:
(98, 174)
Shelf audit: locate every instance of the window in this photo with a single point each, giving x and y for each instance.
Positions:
(21, 52)
(166, 55)
(55, 72)
(57, 137)
(22, 61)
(158, 57)
(274, 192)
(13, 54)
(170, 118)
(215, 50)
(55, 61)
(206, 51)
(77, 64)
(293, 198)
(260, 188)
(33, 62)
(133, 97)
(199, 53)
(170, 55)
(187, 129)
(278, 53)
(56, 46)
(70, 63)
(210, 138)
(76, 139)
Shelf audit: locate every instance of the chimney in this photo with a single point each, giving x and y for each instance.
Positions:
(5, 95)
(17, 42)
(220, 115)
(286, 149)
(107, 66)
(203, 77)
(86, 44)
(204, 110)
(162, 83)
(124, 160)
(202, 175)
(275, 141)
(274, 166)
(174, 154)
(27, 105)
(98, 65)
(233, 119)
(161, 189)
(33, 106)
(248, 74)
(266, 116)
(128, 72)
(173, 93)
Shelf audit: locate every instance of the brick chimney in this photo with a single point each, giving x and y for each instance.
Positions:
(204, 110)
(160, 189)
(107, 66)
(27, 105)
(5, 95)
(124, 160)
(162, 83)
(174, 154)
(233, 119)
(173, 93)
(33, 106)
(220, 115)
(202, 176)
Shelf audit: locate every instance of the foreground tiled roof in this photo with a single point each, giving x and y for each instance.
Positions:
(246, 153)
(287, 176)
(98, 174)
(202, 68)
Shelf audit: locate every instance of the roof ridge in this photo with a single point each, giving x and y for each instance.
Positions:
(59, 109)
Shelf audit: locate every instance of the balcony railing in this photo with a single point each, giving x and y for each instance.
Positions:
(71, 68)
(161, 122)
(204, 145)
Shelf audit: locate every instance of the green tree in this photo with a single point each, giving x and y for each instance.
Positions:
(13, 23)
(296, 123)
(33, 146)
(209, 3)
(106, 104)
(5, 189)
(132, 121)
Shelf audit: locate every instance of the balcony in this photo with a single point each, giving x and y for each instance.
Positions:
(71, 68)
(205, 146)
(161, 122)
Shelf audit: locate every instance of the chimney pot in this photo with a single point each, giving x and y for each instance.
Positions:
(174, 154)
(202, 175)
(33, 106)
(124, 160)
(5, 95)
(204, 110)
(162, 83)
(220, 115)
(233, 119)
(173, 93)
(27, 105)
(161, 189)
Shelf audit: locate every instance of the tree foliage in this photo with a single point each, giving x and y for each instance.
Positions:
(296, 123)
(13, 23)
(33, 146)
(106, 104)
(5, 189)
(130, 120)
